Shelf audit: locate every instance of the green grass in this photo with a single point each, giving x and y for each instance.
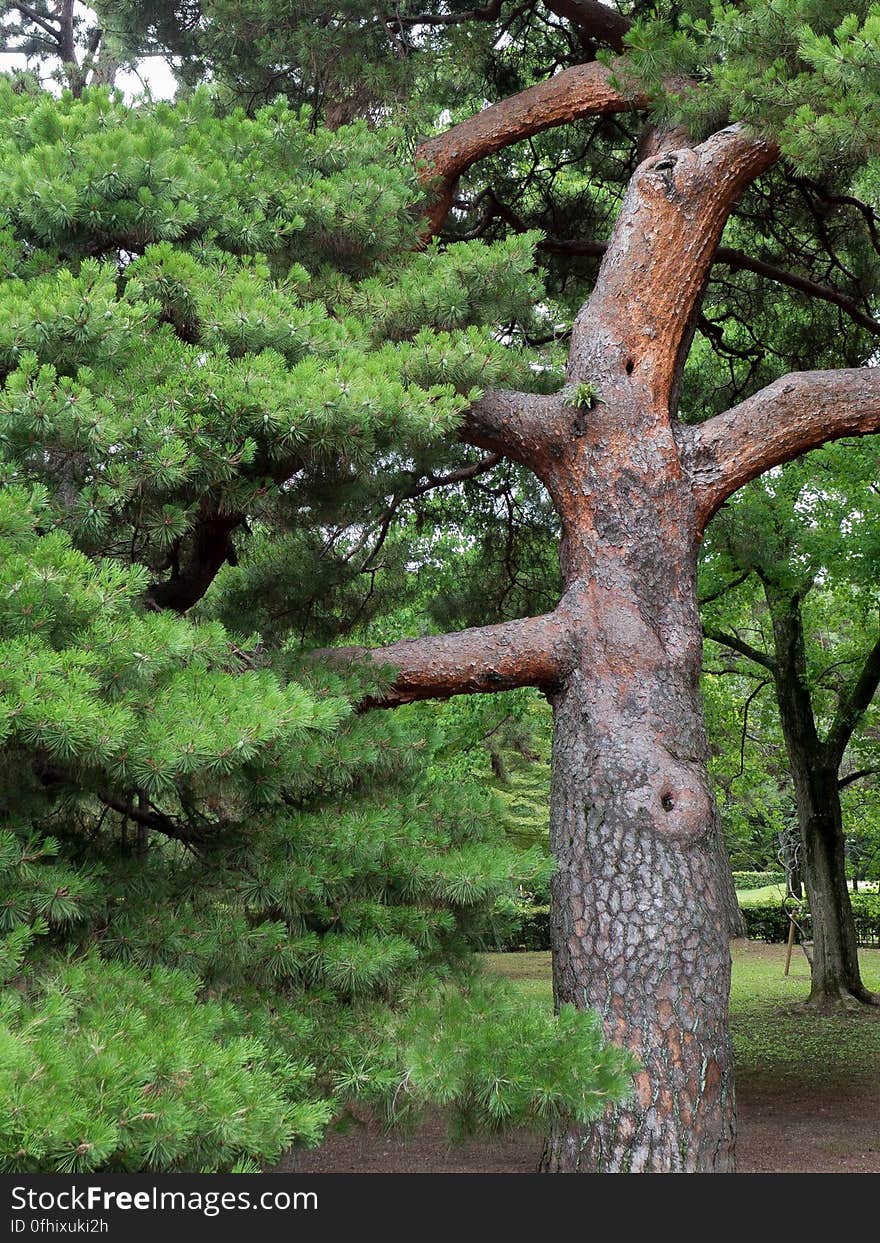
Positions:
(772, 1035)
(757, 897)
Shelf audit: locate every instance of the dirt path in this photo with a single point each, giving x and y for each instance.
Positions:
(807, 1117)
(780, 1131)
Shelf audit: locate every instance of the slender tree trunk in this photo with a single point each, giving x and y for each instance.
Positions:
(835, 963)
(834, 966)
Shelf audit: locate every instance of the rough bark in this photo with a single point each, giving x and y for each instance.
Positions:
(640, 925)
(794, 414)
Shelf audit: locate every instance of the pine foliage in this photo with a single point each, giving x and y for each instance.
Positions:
(230, 904)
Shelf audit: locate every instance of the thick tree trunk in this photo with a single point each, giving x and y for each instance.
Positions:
(638, 935)
(640, 921)
(834, 965)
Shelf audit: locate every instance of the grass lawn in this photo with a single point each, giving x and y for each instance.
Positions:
(757, 897)
(772, 1036)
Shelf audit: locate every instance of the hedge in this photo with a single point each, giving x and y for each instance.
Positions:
(757, 880)
(533, 932)
(765, 922)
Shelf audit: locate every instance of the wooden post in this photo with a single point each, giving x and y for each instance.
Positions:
(791, 927)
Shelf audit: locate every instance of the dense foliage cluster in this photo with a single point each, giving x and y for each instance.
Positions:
(243, 903)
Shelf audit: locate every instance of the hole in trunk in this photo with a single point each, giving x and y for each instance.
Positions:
(667, 802)
(630, 366)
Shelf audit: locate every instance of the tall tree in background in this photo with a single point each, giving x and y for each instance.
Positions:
(767, 107)
(809, 538)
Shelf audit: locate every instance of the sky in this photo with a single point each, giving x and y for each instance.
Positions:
(153, 72)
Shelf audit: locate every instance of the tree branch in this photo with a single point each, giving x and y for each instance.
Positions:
(794, 414)
(853, 705)
(210, 545)
(722, 591)
(532, 651)
(856, 776)
(595, 19)
(736, 644)
(42, 22)
(641, 313)
(581, 91)
(486, 14)
(527, 427)
(738, 261)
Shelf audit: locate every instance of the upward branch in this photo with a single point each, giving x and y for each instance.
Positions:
(853, 705)
(794, 414)
(652, 276)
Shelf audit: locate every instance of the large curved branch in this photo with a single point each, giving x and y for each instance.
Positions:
(533, 651)
(794, 414)
(642, 310)
(581, 91)
(597, 20)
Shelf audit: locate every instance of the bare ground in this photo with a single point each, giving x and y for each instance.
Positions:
(792, 1123)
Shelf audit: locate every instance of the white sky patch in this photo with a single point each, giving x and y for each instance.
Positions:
(153, 77)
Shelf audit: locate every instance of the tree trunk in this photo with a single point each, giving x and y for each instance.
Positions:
(640, 919)
(834, 964)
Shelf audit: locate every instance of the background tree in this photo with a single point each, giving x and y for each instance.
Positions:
(68, 37)
(808, 537)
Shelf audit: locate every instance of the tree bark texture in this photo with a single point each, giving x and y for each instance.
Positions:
(639, 924)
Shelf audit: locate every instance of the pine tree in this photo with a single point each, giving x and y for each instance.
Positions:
(231, 904)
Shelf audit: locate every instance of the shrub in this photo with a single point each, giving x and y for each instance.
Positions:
(533, 932)
(767, 921)
(757, 880)
(107, 1066)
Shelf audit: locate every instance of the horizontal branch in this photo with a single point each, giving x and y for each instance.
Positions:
(487, 13)
(527, 427)
(532, 651)
(738, 645)
(738, 261)
(794, 414)
(581, 91)
(858, 775)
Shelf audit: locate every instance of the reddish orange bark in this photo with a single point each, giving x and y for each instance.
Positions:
(639, 921)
